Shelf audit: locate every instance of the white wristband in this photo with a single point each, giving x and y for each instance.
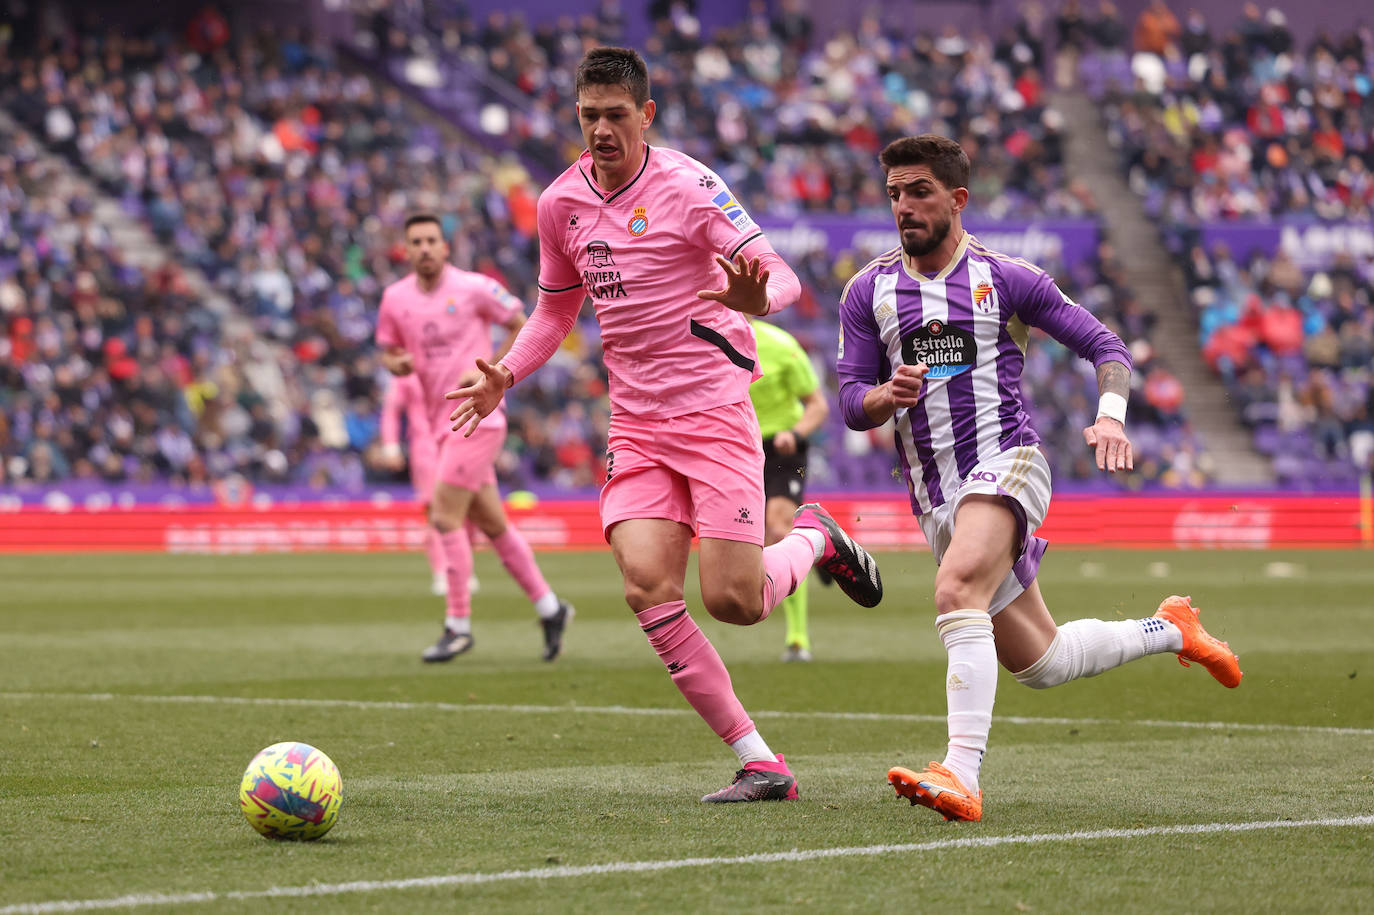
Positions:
(1112, 405)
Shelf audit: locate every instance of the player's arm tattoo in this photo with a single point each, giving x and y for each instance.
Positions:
(1114, 378)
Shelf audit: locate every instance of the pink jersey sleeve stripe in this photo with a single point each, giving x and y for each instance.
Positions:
(740, 247)
(543, 288)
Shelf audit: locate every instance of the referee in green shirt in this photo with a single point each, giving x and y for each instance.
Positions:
(790, 407)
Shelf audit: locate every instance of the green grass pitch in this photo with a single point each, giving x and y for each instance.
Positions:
(134, 690)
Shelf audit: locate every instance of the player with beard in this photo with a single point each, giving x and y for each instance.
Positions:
(933, 333)
(435, 323)
(673, 264)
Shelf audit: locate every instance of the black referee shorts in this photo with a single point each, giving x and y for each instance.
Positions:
(784, 474)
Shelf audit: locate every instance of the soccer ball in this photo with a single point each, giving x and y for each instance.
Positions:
(291, 791)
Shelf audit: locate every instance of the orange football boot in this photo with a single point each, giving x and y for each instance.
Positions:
(940, 790)
(1198, 644)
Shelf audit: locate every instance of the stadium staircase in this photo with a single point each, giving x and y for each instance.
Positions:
(1153, 273)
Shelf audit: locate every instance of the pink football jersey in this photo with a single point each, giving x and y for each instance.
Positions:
(642, 252)
(445, 330)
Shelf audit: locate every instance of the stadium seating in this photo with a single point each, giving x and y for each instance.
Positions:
(283, 176)
(795, 126)
(283, 179)
(792, 125)
(1248, 130)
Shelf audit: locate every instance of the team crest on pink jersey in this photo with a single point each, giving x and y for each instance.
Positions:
(639, 222)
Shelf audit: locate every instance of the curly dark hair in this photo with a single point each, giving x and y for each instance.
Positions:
(946, 158)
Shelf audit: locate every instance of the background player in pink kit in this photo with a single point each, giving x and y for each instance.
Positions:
(404, 403)
(646, 233)
(933, 333)
(435, 323)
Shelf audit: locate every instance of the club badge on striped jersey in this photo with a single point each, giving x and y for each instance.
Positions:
(639, 222)
(983, 299)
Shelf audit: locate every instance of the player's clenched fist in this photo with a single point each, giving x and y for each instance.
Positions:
(479, 397)
(906, 384)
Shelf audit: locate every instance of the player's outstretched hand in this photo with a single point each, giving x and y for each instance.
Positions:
(746, 286)
(479, 397)
(1108, 437)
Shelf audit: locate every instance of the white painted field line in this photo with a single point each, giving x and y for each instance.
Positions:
(383, 705)
(637, 867)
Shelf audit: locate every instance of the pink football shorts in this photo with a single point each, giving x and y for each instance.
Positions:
(704, 470)
(470, 463)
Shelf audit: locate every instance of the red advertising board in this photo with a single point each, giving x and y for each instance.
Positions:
(1144, 522)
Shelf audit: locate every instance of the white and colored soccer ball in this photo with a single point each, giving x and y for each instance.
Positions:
(291, 791)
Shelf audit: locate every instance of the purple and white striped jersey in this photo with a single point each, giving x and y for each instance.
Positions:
(969, 325)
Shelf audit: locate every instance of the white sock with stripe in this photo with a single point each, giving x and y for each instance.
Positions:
(970, 689)
(1086, 648)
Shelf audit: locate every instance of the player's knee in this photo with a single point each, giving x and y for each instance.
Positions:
(733, 606)
(958, 589)
(642, 592)
(444, 521)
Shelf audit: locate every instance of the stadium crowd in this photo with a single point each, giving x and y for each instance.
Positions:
(1295, 348)
(283, 176)
(1247, 125)
(792, 119)
(284, 180)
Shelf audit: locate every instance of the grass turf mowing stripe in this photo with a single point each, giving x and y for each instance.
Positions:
(634, 867)
(384, 705)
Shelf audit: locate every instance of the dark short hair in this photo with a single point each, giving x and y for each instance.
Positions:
(946, 158)
(415, 219)
(615, 67)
